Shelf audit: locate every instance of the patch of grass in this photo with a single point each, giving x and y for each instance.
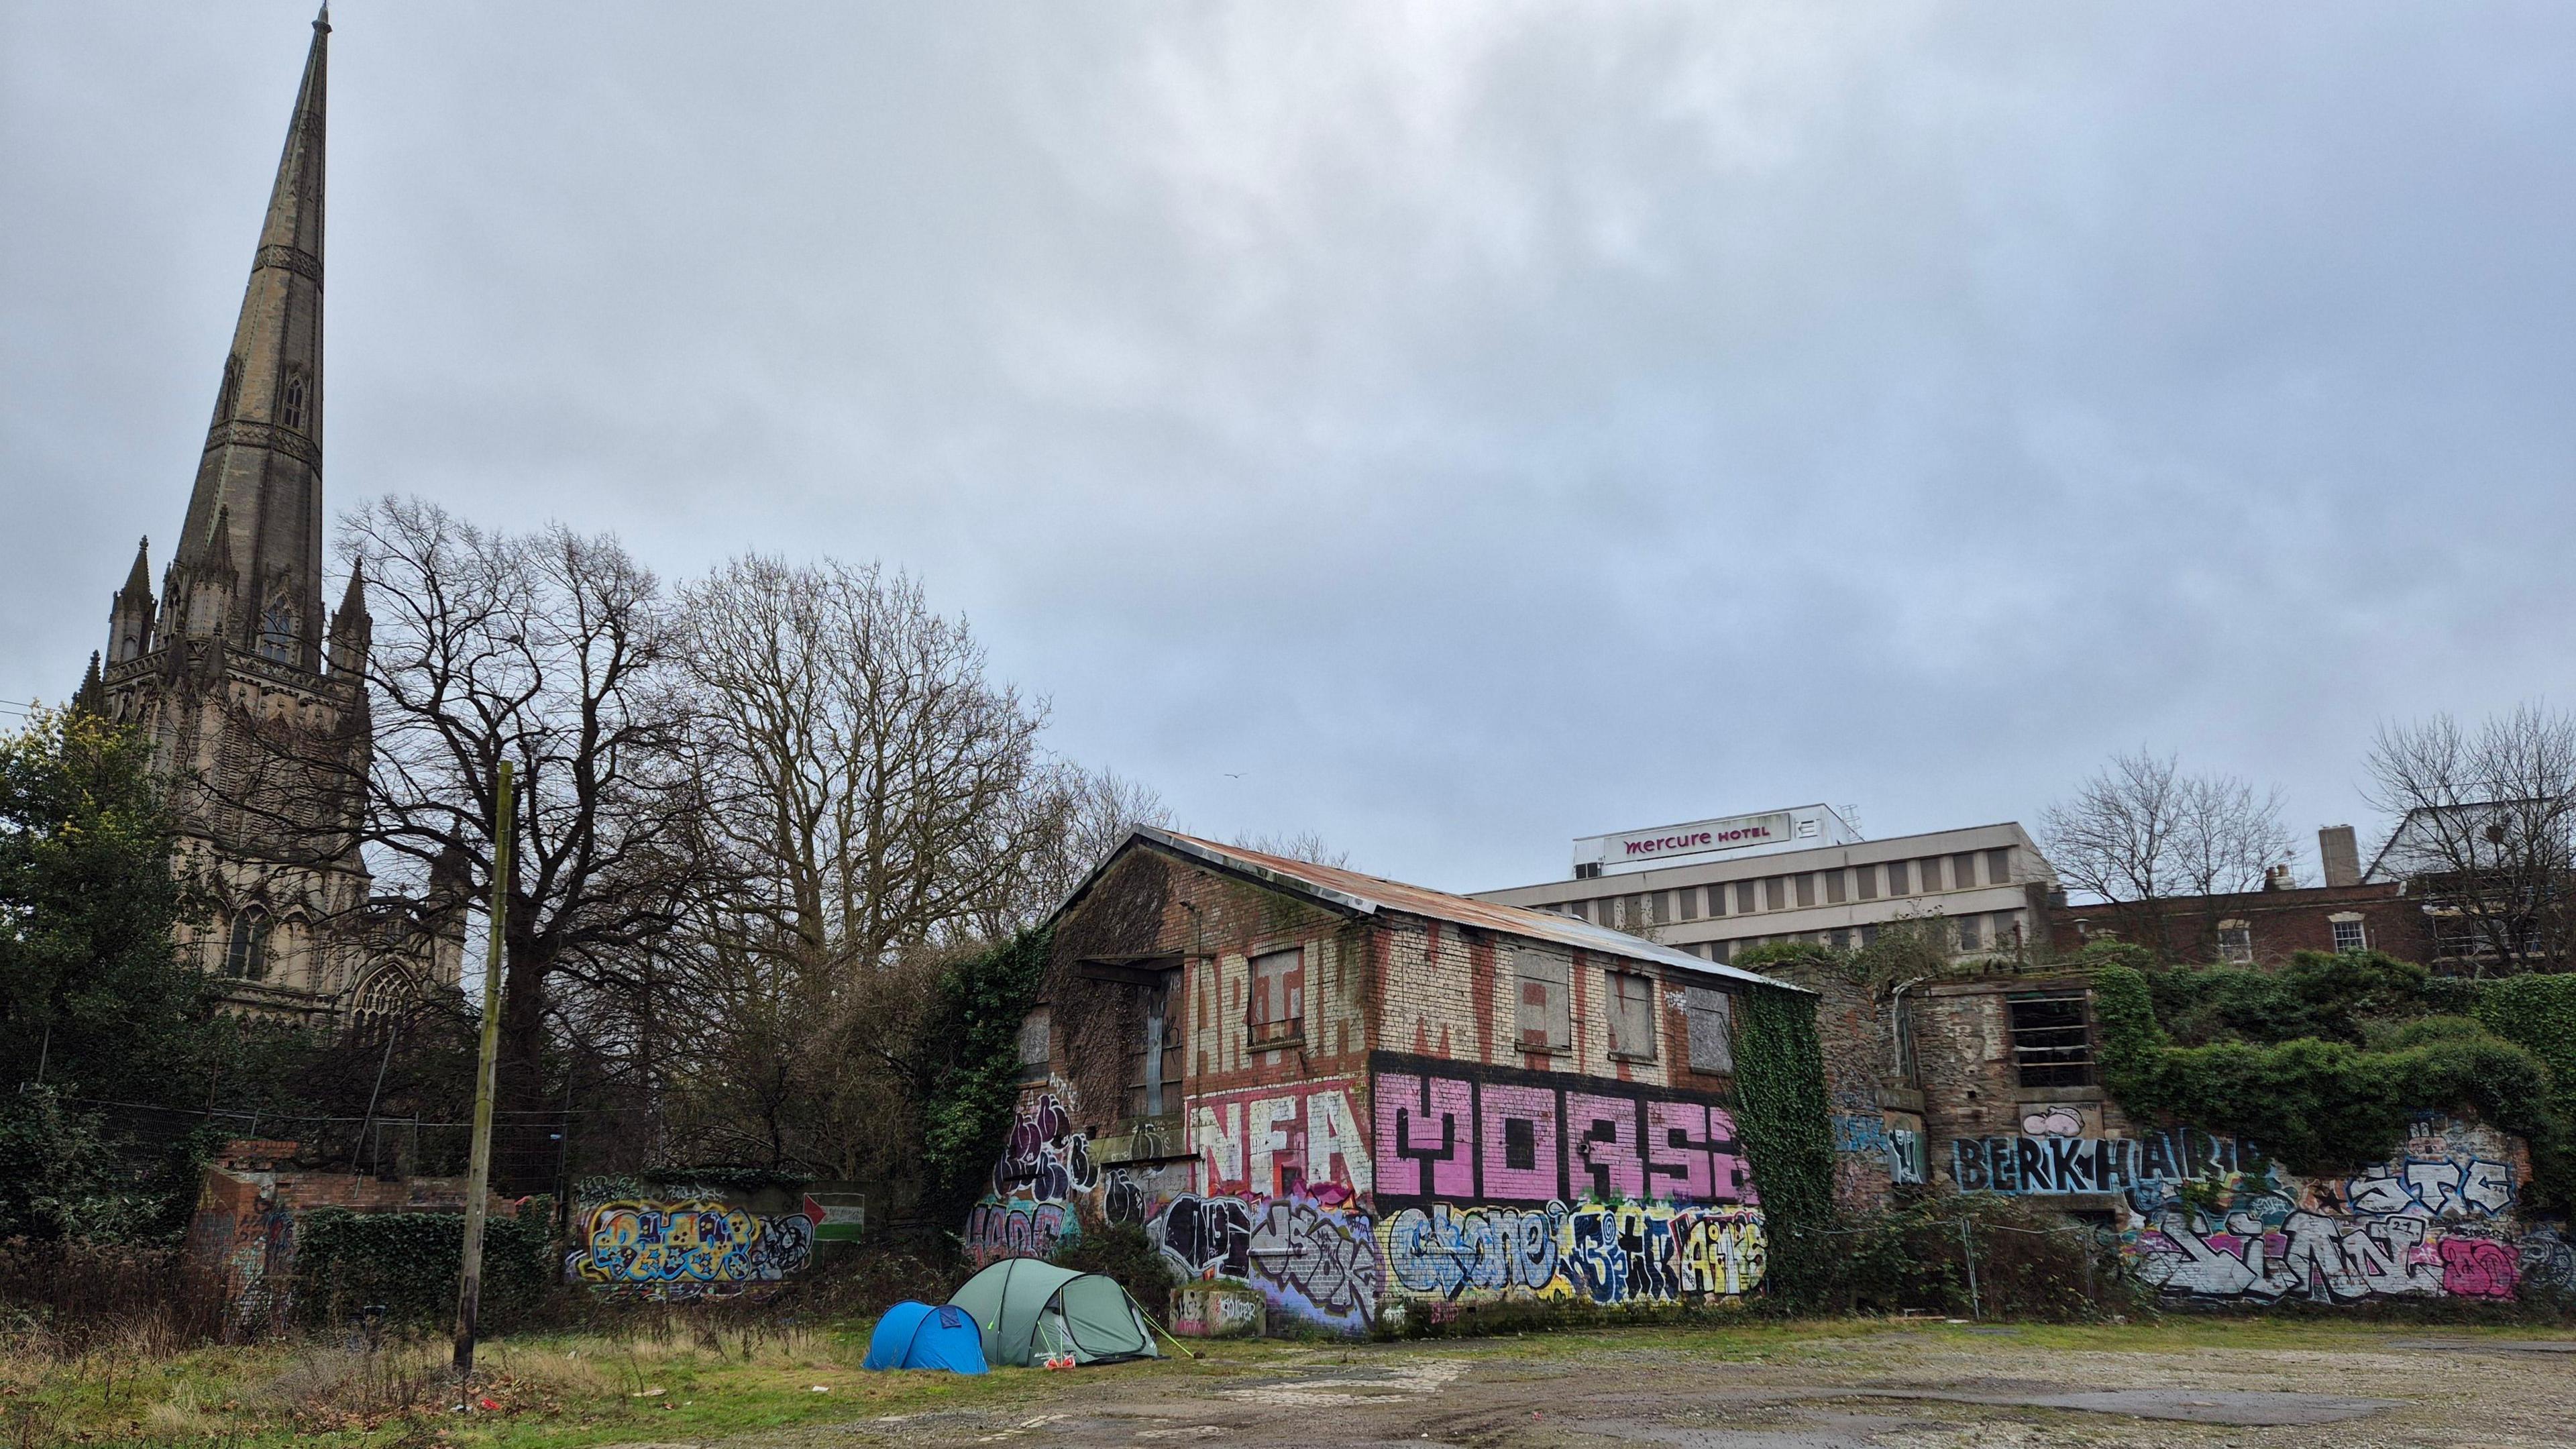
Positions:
(674, 1380)
(670, 1380)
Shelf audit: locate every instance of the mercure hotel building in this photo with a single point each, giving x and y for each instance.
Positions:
(1715, 887)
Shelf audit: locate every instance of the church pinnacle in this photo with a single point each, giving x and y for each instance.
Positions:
(260, 477)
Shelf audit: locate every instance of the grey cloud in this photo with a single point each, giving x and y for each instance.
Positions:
(1477, 424)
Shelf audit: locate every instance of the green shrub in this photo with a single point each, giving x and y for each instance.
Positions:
(2321, 1102)
(2028, 1262)
(407, 1263)
(1122, 1251)
(2328, 996)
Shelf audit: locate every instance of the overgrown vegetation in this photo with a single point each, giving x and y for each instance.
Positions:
(401, 1268)
(1780, 1116)
(972, 1083)
(2326, 1061)
(1986, 1255)
(1123, 1252)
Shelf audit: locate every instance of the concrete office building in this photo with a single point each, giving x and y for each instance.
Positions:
(1715, 887)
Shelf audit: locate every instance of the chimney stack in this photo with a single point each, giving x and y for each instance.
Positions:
(2340, 854)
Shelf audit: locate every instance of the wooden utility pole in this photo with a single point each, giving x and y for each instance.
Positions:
(478, 1181)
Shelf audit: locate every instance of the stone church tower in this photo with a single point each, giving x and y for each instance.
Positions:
(255, 703)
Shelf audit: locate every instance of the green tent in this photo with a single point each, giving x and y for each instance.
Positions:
(1031, 1310)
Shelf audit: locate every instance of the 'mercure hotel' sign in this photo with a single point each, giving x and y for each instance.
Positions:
(1739, 832)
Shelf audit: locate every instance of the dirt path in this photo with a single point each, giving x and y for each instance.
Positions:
(1897, 1388)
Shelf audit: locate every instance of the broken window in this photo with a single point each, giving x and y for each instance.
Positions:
(1544, 1021)
(1154, 1053)
(2052, 1042)
(1035, 1043)
(1632, 1016)
(1712, 1030)
(2236, 942)
(1278, 995)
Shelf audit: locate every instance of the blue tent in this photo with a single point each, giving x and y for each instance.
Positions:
(918, 1336)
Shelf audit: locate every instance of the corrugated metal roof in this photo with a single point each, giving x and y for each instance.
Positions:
(1368, 895)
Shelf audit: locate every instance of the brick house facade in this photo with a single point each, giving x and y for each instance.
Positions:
(1332, 1097)
(2257, 927)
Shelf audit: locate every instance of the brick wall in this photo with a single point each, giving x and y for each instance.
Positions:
(2281, 922)
(1269, 1173)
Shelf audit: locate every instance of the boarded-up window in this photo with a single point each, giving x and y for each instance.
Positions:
(1544, 1021)
(1896, 883)
(1998, 867)
(1744, 898)
(1278, 995)
(1806, 889)
(1963, 872)
(1712, 1030)
(1632, 1016)
(1775, 893)
(1868, 875)
(1033, 1039)
(1833, 887)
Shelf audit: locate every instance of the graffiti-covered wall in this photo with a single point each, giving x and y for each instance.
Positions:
(681, 1244)
(2210, 1219)
(1423, 1183)
(1045, 1166)
(1215, 1073)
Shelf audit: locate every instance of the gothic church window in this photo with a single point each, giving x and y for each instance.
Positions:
(381, 997)
(290, 406)
(246, 949)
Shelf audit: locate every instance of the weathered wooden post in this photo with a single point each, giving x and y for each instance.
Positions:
(478, 1181)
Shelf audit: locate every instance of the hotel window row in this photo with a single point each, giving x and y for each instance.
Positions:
(1966, 870)
(1980, 931)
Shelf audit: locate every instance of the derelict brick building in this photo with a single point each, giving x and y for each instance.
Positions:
(1329, 1097)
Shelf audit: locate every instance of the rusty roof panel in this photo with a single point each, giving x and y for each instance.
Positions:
(1349, 890)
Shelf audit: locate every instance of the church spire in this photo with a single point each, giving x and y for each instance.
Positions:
(262, 469)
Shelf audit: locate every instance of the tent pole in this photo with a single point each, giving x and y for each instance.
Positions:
(1158, 1328)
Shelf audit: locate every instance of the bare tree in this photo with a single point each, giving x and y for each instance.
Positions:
(554, 651)
(1077, 817)
(887, 798)
(2142, 836)
(885, 775)
(2484, 827)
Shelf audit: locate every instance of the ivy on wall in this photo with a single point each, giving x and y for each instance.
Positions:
(406, 1264)
(1780, 1117)
(2537, 1013)
(2330, 1075)
(967, 1102)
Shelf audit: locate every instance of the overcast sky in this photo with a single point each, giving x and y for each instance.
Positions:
(1471, 426)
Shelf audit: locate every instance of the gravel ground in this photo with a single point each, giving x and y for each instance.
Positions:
(1898, 1388)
